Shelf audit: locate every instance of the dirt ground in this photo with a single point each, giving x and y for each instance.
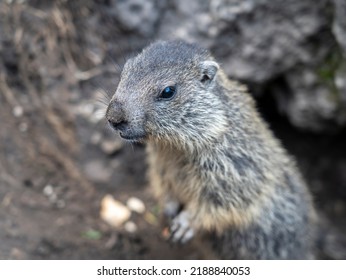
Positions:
(36, 225)
(33, 226)
(58, 159)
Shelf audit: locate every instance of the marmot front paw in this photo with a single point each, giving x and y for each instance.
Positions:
(181, 228)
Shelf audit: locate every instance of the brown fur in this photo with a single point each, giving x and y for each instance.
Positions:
(210, 151)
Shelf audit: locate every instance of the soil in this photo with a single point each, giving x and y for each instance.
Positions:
(34, 227)
(57, 161)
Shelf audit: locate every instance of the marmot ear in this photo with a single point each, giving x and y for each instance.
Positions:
(208, 70)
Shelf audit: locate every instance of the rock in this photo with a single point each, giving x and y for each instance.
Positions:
(48, 190)
(18, 111)
(50, 193)
(315, 96)
(254, 40)
(114, 212)
(136, 205)
(130, 227)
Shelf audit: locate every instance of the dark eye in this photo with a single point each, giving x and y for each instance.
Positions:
(168, 92)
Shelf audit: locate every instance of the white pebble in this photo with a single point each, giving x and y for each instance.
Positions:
(136, 205)
(18, 111)
(48, 190)
(114, 212)
(130, 227)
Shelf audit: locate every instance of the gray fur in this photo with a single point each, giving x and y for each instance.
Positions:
(209, 150)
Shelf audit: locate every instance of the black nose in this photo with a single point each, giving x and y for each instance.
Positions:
(115, 116)
(120, 125)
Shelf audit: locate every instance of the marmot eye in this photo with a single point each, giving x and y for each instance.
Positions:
(168, 92)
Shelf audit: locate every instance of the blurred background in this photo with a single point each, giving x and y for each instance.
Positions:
(71, 189)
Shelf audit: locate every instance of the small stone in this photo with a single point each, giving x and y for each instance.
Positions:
(136, 205)
(110, 147)
(18, 111)
(130, 227)
(48, 190)
(114, 212)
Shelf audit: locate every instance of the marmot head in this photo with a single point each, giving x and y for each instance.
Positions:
(166, 94)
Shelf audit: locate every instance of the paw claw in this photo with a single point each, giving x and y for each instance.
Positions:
(181, 230)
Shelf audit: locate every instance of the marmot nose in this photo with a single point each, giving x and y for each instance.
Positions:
(119, 125)
(116, 116)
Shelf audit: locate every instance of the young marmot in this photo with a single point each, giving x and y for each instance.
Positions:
(214, 164)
